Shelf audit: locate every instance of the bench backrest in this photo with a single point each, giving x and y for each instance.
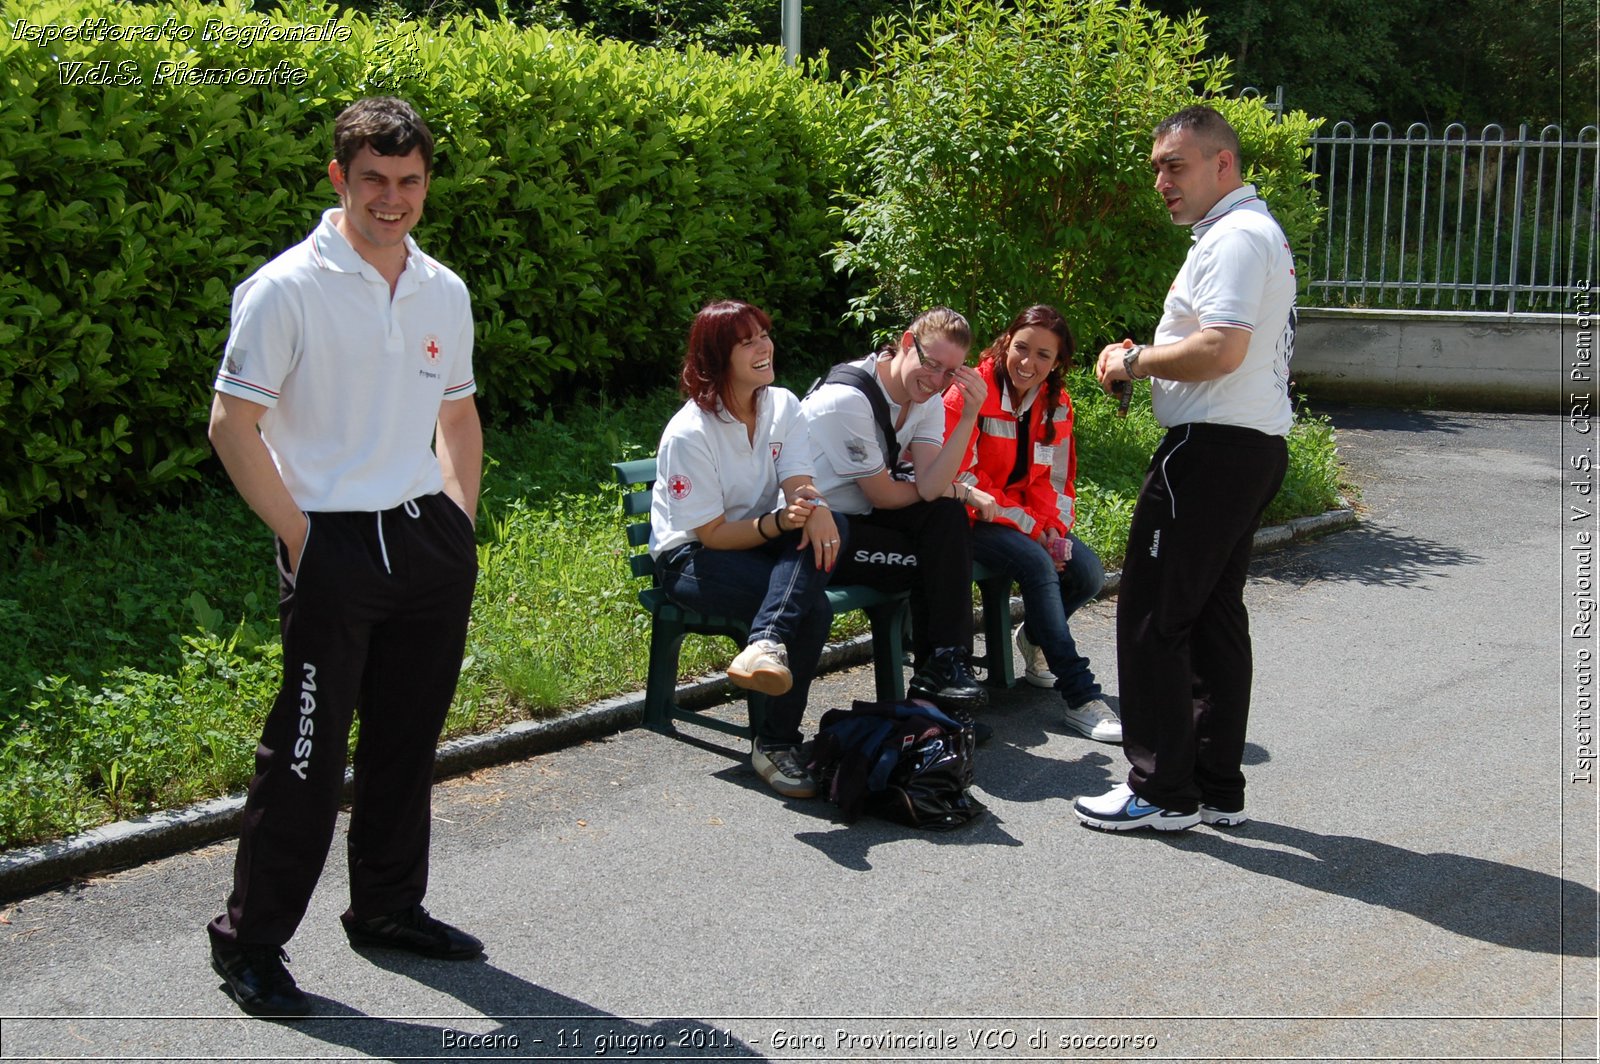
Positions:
(636, 479)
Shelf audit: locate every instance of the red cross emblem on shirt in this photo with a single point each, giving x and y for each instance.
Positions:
(430, 348)
(678, 486)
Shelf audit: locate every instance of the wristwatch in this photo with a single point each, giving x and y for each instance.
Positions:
(1131, 359)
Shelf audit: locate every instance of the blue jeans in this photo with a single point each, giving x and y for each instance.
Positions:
(785, 595)
(1048, 598)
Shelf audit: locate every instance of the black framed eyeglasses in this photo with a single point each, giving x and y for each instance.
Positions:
(946, 375)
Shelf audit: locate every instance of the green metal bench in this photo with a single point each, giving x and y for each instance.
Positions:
(886, 612)
(670, 622)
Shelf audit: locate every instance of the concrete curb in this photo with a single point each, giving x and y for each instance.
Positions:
(30, 869)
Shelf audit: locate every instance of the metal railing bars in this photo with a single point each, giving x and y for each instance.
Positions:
(1455, 221)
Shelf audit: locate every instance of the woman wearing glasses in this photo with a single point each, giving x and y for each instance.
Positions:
(878, 439)
(1019, 472)
(738, 528)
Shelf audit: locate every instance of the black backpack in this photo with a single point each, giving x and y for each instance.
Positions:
(905, 761)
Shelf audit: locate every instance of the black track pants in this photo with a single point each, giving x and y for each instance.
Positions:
(925, 548)
(1183, 636)
(375, 619)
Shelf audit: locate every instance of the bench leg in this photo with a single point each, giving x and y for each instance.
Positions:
(995, 594)
(661, 682)
(889, 649)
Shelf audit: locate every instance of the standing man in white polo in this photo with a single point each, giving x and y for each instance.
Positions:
(344, 415)
(1219, 373)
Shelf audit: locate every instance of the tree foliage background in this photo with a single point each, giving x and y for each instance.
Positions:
(1009, 154)
(1400, 61)
(1397, 61)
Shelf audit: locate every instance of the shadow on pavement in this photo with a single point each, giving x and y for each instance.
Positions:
(1367, 555)
(508, 1016)
(850, 844)
(1502, 904)
(1015, 774)
(1353, 418)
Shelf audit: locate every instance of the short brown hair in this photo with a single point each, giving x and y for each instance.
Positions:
(387, 125)
(1207, 125)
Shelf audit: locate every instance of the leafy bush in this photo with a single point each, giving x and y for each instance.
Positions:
(1010, 166)
(592, 195)
(127, 213)
(137, 741)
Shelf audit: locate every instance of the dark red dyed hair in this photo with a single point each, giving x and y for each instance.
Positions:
(712, 336)
(1043, 316)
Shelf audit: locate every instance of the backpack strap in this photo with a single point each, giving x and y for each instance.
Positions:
(867, 384)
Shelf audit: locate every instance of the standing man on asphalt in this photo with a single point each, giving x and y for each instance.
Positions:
(1219, 372)
(344, 416)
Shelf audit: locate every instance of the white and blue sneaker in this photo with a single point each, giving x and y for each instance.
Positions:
(1119, 809)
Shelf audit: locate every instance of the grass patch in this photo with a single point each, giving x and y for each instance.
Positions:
(142, 653)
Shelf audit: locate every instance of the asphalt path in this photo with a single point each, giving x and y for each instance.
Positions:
(1417, 882)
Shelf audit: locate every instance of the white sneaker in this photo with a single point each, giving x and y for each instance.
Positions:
(1034, 668)
(1119, 809)
(762, 666)
(1222, 818)
(1096, 720)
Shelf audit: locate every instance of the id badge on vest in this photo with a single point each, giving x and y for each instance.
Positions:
(1044, 454)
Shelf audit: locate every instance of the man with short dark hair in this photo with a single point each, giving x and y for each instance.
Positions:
(344, 415)
(1219, 372)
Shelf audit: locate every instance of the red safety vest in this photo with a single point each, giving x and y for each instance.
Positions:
(1046, 496)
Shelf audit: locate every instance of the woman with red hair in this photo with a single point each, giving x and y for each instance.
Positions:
(738, 528)
(1020, 469)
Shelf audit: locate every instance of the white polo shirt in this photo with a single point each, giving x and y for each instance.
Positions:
(708, 467)
(846, 444)
(1239, 274)
(351, 379)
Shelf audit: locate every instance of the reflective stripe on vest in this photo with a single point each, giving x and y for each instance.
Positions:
(999, 427)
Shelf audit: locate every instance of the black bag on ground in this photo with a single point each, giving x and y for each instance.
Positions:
(905, 761)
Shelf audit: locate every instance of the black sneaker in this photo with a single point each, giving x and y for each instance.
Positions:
(981, 731)
(946, 680)
(259, 982)
(414, 931)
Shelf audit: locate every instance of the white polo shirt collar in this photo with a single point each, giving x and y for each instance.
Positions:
(333, 252)
(1242, 196)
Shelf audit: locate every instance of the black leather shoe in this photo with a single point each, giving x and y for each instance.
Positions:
(946, 680)
(259, 982)
(414, 931)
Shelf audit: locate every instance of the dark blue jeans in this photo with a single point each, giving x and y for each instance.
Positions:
(783, 592)
(1048, 598)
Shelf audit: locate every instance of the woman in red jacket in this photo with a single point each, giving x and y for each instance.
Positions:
(1019, 470)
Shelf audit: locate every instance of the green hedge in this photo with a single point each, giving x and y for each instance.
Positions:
(592, 195)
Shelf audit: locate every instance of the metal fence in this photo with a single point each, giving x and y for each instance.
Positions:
(1454, 222)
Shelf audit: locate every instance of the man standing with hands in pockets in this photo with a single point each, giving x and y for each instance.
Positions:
(344, 416)
(1219, 373)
